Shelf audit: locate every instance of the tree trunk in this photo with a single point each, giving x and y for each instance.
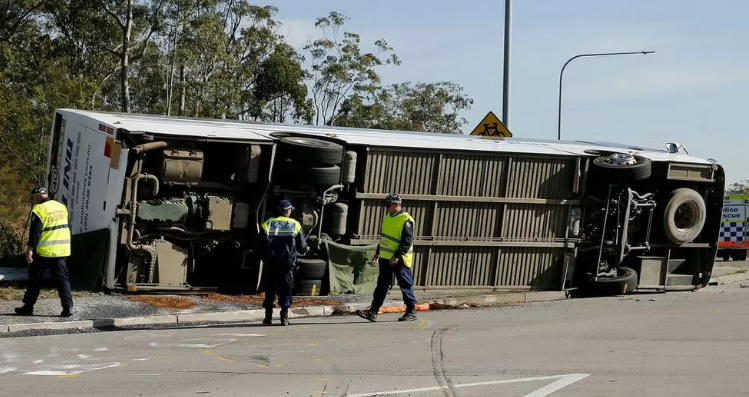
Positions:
(125, 58)
(183, 91)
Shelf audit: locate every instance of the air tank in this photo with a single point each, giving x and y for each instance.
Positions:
(338, 213)
(348, 169)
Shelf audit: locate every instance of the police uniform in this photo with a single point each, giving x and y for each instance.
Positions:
(396, 240)
(49, 239)
(281, 239)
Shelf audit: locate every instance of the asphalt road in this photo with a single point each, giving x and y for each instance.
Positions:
(685, 344)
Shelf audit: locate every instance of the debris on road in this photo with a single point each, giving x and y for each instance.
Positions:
(420, 307)
(169, 302)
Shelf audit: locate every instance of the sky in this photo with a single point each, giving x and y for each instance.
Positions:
(692, 90)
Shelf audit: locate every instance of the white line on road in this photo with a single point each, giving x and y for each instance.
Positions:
(241, 335)
(76, 372)
(565, 381)
(561, 382)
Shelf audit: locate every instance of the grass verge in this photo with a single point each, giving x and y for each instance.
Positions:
(15, 293)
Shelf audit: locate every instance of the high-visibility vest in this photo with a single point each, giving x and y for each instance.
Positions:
(55, 239)
(282, 226)
(390, 237)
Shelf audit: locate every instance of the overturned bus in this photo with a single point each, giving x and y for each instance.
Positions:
(162, 204)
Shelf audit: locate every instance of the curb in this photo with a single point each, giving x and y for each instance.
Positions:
(259, 314)
(729, 278)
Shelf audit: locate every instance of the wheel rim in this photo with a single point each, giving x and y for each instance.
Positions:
(621, 159)
(685, 216)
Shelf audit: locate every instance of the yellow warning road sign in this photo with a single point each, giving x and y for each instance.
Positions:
(491, 126)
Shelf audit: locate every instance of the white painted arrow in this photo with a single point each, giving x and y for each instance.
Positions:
(561, 381)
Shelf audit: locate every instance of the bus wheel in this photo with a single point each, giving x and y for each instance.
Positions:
(309, 287)
(684, 216)
(624, 282)
(624, 166)
(310, 151)
(312, 269)
(304, 175)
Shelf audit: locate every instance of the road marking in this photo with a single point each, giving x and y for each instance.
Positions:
(83, 369)
(241, 335)
(211, 353)
(277, 345)
(561, 382)
(421, 326)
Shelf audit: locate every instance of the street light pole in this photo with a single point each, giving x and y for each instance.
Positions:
(506, 69)
(559, 112)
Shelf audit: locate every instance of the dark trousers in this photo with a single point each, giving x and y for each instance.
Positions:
(281, 283)
(59, 269)
(405, 281)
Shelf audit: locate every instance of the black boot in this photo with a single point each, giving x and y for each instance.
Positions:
(268, 316)
(66, 311)
(367, 315)
(25, 310)
(410, 315)
(285, 316)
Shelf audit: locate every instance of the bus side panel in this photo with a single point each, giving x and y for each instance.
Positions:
(80, 174)
(53, 155)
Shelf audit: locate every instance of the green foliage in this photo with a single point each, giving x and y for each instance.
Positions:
(429, 107)
(738, 187)
(199, 58)
(340, 69)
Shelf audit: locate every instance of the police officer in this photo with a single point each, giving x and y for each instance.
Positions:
(281, 238)
(395, 256)
(48, 247)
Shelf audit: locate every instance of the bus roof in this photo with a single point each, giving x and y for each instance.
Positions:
(261, 132)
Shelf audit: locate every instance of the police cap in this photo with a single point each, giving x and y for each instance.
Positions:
(38, 191)
(285, 205)
(392, 198)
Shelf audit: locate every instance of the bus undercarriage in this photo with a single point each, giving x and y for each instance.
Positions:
(616, 223)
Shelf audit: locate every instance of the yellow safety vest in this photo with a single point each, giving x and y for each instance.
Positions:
(55, 239)
(390, 237)
(282, 226)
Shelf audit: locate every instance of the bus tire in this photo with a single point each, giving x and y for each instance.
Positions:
(302, 150)
(624, 283)
(684, 216)
(312, 269)
(309, 287)
(304, 175)
(640, 170)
